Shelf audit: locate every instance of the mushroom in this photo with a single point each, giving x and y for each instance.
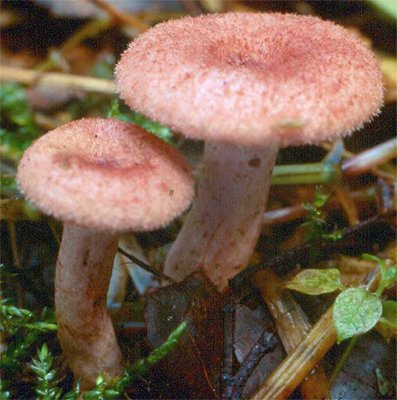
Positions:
(247, 84)
(100, 177)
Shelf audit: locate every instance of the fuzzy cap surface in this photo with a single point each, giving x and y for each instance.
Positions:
(106, 175)
(243, 77)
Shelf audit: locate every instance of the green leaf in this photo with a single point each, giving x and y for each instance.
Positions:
(356, 311)
(316, 281)
(387, 325)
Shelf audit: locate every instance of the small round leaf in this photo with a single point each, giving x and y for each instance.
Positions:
(356, 311)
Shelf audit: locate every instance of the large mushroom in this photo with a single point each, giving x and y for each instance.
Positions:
(247, 84)
(101, 177)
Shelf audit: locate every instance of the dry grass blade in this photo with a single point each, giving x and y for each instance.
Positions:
(55, 79)
(292, 326)
(370, 158)
(298, 364)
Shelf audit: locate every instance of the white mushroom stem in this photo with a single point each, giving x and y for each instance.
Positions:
(221, 230)
(86, 332)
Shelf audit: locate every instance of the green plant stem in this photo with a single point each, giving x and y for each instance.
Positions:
(297, 174)
(330, 169)
(342, 360)
(142, 366)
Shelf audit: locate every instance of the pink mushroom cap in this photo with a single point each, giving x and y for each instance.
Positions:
(243, 77)
(106, 174)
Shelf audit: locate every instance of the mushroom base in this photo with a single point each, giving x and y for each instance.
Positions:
(223, 226)
(85, 330)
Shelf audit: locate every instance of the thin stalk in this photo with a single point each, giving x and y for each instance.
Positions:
(144, 265)
(342, 360)
(298, 364)
(299, 174)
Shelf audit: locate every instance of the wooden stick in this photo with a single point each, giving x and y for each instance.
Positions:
(298, 364)
(292, 327)
(56, 79)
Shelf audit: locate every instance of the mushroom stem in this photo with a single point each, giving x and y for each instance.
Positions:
(82, 278)
(222, 228)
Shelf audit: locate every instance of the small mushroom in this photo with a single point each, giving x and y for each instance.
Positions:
(247, 84)
(100, 177)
